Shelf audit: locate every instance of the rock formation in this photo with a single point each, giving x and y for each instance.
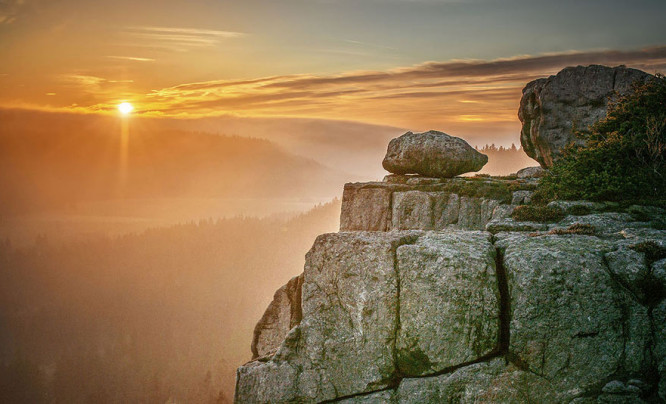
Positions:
(438, 290)
(432, 293)
(552, 108)
(432, 154)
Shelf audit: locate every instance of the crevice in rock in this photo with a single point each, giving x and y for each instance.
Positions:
(503, 338)
(583, 334)
(363, 394)
(396, 268)
(649, 371)
(651, 374)
(296, 303)
(485, 358)
(505, 302)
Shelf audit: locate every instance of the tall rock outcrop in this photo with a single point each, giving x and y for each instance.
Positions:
(552, 108)
(433, 293)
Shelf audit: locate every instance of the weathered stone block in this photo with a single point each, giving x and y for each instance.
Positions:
(570, 321)
(365, 208)
(449, 301)
(445, 210)
(412, 210)
(487, 382)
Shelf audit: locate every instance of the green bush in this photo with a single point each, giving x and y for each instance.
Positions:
(623, 157)
(579, 210)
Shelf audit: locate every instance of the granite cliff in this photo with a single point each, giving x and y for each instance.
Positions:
(433, 293)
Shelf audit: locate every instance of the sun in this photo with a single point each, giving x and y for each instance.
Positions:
(125, 108)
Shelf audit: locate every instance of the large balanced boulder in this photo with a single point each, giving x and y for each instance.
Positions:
(432, 154)
(552, 109)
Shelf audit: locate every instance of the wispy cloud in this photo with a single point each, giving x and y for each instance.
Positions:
(460, 96)
(9, 10)
(96, 87)
(131, 58)
(181, 39)
(83, 79)
(438, 92)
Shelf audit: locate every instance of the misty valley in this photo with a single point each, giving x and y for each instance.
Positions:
(148, 290)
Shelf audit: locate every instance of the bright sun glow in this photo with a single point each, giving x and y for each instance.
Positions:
(125, 108)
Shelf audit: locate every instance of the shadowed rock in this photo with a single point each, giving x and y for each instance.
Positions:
(432, 154)
(283, 314)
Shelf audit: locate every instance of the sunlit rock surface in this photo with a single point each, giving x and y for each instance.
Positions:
(433, 293)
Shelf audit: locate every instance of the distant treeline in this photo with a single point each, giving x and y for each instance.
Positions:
(492, 148)
(504, 160)
(162, 316)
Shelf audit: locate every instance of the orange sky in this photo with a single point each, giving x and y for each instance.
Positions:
(417, 64)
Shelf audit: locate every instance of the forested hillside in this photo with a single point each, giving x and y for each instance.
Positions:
(145, 317)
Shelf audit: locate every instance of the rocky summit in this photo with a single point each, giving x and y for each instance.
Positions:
(552, 109)
(437, 290)
(460, 290)
(432, 154)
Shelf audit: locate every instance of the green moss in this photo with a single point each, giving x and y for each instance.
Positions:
(521, 186)
(579, 210)
(480, 188)
(414, 361)
(542, 214)
(510, 177)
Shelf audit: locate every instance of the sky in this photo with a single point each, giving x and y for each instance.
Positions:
(451, 65)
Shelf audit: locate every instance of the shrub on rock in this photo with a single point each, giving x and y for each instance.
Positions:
(623, 157)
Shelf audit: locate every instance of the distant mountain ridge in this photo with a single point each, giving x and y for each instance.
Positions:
(66, 161)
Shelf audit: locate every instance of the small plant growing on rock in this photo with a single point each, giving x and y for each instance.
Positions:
(543, 214)
(624, 155)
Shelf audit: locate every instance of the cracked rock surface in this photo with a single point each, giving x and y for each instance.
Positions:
(449, 301)
(522, 313)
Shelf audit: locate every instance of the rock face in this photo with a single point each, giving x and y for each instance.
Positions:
(432, 154)
(432, 312)
(282, 315)
(552, 108)
(449, 301)
(418, 203)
